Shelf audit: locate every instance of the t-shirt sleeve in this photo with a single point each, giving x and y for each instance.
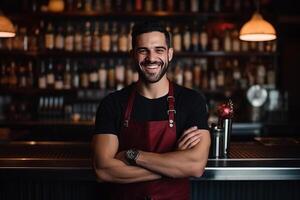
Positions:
(107, 117)
(198, 115)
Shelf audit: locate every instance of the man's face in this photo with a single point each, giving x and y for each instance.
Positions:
(152, 56)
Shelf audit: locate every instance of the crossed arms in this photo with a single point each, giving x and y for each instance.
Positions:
(189, 159)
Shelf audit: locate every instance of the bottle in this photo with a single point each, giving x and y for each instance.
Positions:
(227, 46)
(50, 75)
(195, 38)
(22, 82)
(59, 77)
(107, 6)
(236, 74)
(41, 37)
(204, 83)
(261, 74)
(178, 73)
(206, 5)
(29, 75)
(215, 43)
(98, 6)
(93, 78)
(177, 45)
(3, 76)
(87, 37)
(148, 5)
(271, 76)
(67, 75)
(203, 39)
(122, 40)
(24, 40)
(105, 38)
(96, 38)
(188, 75)
(75, 76)
(128, 74)
(114, 38)
(118, 5)
(129, 38)
(138, 5)
(33, 39)
(88, 6)
(170, 5)
(236, 45)
(78, 39)
(197, 76)
(49, 37)
(129, 6)
(42, 82)
(69, 5)
(120, 75)
(220, 79)
(102, 75)
(12, 76)
(59, 39)
(194, 5)
(84, 78)
(69, 39)
(111, 75)
(160, 5)
(186, 39)
(79, 5)
(217, 5)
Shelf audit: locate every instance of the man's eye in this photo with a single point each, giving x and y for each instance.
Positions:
(142, 51)
(160, 50)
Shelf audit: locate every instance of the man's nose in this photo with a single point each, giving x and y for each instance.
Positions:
(151, 56)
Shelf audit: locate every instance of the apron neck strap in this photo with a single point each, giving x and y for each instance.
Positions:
(171, 105)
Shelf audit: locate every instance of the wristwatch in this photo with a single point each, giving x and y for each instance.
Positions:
(131, 156)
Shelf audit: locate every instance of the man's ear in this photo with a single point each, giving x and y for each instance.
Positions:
(170, 52)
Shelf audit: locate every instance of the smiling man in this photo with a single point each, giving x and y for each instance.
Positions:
(152, 135)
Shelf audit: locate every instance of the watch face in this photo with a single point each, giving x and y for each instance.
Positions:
(257, 95)
(131, 154)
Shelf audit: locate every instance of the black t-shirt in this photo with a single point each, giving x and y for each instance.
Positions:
(190, 106)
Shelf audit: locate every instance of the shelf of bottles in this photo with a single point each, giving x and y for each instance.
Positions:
(68, 66)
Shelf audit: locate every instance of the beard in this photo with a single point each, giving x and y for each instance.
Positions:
(149, 77)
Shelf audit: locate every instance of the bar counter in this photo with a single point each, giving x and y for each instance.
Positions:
(264, 162)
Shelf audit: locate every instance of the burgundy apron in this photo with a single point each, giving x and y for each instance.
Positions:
(151, 136)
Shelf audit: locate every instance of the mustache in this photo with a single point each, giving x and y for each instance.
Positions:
(147, 62)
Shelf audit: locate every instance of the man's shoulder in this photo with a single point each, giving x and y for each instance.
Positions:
(119, 96)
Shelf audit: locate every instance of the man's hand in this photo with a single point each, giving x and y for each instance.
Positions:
(189, 138)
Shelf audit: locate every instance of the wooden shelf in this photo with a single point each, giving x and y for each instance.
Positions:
(32, 123)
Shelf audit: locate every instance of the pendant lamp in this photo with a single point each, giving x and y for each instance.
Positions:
(6, 27)
(257, 29)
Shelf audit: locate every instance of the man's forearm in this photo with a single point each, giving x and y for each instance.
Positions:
(119, 172)
(190, 162)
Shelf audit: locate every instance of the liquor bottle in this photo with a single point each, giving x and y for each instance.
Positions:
(107, 6)
(138, 5)
(220, 79)
(84, 77)
(3, 76)
(111, 75)
(75, 76)
(33, 38)
(22, 83)
(102, 75)
(59, 77)
(186, 35)
(88, 5)
(178, 73)
(237, 5)
(79, 5)
(188, 75)
(69, 5)
(93, 77)
(67, 75)
(49, 37)
(159, 5)
(203, 39)
(105, 38)
(129, 6)
(29, 75)
(122, 40)
(42, 82)
(87, 37)
(197, 74)
(41, 37)
(212, 80)
(120, 75)
(215, 43)
(261, 74)
(170, 5)
(114, 38)
(148, 5)
(59, 39)
(194, 5)
(128, 74)
(69, 39)
(177, 45)
(217, 5)
(236, 74)
(23, 39)
(129, 38)
(50, 75)
(271, 76)
(206, 5)
(236, 44)
(195, 38)
(78, 39)
(204, 83)
(118, 5)
(98, 5)
(227, 42)
(96, 40)
(244, 46)
(12, 76)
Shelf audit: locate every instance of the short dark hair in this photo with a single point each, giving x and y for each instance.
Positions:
(149, 26)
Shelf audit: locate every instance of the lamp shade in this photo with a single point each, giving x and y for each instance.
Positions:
(257, 29)
(6, 27)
